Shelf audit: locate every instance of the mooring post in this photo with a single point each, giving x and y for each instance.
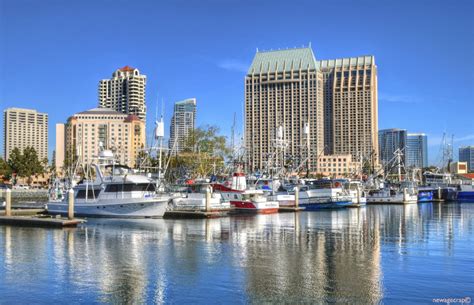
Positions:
(70, 211)
(8, 206)
(297, 196)
(439, 193)
(208, 199)
(405, 195)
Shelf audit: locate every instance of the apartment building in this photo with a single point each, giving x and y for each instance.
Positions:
(23, 128)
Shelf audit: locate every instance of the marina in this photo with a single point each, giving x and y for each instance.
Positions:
(376, 254)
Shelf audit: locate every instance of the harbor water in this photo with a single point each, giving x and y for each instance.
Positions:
(389, 254)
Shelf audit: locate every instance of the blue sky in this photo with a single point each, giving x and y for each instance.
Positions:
(53, 53)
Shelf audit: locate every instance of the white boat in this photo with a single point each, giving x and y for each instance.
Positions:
(246, 200)
(318, 194)
(403, 195)
(195, 199)
(119, 194)
(356, 191)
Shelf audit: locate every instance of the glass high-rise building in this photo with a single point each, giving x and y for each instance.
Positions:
(466, 154)
(389, 141)
(417, 150)
(182, 123)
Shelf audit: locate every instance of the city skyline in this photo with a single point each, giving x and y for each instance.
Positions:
(420, 86)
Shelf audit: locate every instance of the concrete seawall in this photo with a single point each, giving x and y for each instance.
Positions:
(18, 196)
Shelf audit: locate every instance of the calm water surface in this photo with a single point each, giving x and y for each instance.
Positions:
(377, 254)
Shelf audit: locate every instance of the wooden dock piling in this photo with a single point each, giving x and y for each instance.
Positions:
(70, 210)
(8, 206)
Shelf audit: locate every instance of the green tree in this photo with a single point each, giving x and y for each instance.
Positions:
(204, 154)
(25, 164)
(5, 170)
(206, 140)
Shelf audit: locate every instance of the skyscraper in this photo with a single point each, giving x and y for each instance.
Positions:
(283, 104)
(124, 92)
(350, 106)
(390, 140)
(24, 128)
(466, 154)
(335, 100)
(182, 123)
(417, 150)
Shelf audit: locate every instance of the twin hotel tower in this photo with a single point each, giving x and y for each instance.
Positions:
(324, 111)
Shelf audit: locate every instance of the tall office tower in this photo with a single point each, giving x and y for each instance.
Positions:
(390, 140)
(283, 107)
(417, 150)
(466, 154)
(350, 107)
(24, 128)
(182, 123)
(124, 92)
(87, 132)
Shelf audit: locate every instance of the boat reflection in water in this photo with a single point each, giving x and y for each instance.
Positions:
(370, 255)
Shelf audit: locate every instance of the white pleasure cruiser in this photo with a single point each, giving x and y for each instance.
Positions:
(115, 192)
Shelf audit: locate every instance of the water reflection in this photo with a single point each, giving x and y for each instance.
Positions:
(327, 256)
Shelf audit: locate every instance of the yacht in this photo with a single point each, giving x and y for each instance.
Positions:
(115, 192)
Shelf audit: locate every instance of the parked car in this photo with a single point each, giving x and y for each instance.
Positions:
(5, 186)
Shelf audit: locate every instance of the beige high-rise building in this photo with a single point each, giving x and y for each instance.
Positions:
(283, 108)
(351, 107)
(330, 104)
(124, 92)
(60, 147)
(85, 133)
(24, 128)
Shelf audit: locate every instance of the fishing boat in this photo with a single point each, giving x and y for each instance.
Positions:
(315, 194)
(195, 199)
(426, 194)
(403, 194)
(115, 192)
(466, 192)
(355, 190)
(243, 199)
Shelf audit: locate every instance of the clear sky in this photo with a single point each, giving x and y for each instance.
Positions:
(53, 54)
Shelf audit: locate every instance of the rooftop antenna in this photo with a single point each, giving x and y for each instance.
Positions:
(257, 49)
(309, 44)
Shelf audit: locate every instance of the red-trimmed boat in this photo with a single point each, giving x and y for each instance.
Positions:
(243, 200)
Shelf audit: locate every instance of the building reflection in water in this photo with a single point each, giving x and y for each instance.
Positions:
(326, 256)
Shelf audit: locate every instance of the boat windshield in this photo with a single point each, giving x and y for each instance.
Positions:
(323, 184)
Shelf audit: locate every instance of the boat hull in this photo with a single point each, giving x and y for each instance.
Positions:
(465, 196)
(151, 208)
(266, 207)
(425, 196)
(394, 200)
(315, 206)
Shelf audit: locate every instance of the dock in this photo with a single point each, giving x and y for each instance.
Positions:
(37, 217)
(24, 212)
(39, 221)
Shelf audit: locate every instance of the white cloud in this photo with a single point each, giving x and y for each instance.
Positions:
(233, 65)
(405, 99)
